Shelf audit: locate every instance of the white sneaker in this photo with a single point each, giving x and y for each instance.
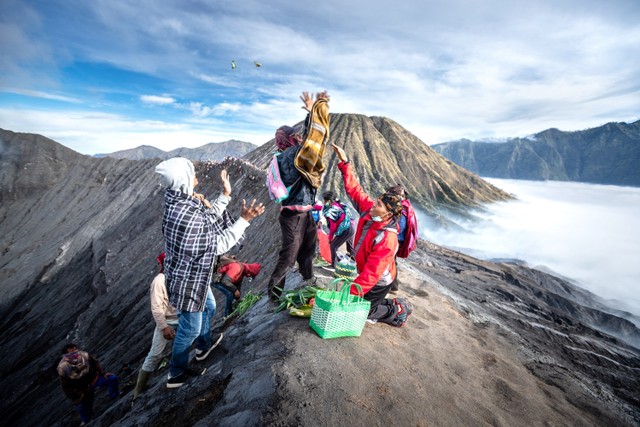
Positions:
(203, 354)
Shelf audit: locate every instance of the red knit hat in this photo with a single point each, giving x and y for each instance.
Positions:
(160, 260)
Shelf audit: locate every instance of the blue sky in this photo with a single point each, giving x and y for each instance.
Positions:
(101, 76)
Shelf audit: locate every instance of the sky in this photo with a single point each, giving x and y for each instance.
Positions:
(101, 76)
(589, 233)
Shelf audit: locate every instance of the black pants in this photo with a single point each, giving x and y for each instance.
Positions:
(382, 309)
(345, 237)
(299, 241)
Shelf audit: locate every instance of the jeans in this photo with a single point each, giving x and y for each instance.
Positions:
(203, 342)
(85, 407)
(228, 305)
(192, 326)
(158, 344)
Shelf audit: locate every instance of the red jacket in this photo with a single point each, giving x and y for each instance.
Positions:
(372, 259)
(234, 272)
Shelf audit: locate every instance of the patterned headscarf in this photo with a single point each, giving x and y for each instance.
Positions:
(286, 137)
(398, 190)
(393, 203)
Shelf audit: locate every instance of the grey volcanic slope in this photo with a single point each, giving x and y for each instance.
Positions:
(213, 151)
(608, 154)
(487, 344)
(383, 153)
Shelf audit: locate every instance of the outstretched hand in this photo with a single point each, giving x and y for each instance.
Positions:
(248, 213)
(340, 153)
(308, 101)
(226, 184)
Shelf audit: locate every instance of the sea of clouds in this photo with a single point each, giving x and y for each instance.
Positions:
(586, 232)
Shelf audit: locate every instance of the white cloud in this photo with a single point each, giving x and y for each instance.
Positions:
(90, 133)
(158, 100)
(43, 95)
(589, 233)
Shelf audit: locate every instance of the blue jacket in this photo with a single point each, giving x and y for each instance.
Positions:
(302, 195)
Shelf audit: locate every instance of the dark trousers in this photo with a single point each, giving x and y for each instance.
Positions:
(382, 309)
(299, 241)
(85, 407)
(345, 237)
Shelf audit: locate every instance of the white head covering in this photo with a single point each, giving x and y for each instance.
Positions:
(177, 174)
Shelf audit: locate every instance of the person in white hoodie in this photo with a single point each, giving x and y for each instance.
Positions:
(194, 234)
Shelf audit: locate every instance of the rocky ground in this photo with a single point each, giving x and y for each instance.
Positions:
(455, 363)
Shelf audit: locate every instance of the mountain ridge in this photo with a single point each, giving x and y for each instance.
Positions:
(211, 151)
(606, 154)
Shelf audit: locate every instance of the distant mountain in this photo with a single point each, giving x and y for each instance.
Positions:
(609, 154)
(213, 151)
(384, 153)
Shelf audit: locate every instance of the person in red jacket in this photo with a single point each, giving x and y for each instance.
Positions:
(376, 244)
(233, 272)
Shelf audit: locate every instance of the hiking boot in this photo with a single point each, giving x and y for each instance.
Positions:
(405, 309)
(141, 383)
(203, 354)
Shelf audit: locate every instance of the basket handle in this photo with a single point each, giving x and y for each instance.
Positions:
(346, 293)
(334, 283)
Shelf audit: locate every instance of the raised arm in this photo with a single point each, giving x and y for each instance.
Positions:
(354, 190)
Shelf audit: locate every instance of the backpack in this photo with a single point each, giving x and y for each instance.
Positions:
(346, 221)
(411, 232)
(276, 188)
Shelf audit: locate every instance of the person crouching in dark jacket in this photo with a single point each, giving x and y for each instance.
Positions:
(80, 374)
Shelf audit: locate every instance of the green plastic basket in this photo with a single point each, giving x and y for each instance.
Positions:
(338, 314)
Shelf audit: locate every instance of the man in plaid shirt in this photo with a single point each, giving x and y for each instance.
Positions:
(194, 233)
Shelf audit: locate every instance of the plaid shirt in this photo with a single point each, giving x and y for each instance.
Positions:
(190, 233)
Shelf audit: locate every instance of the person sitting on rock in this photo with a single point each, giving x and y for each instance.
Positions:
(193, 237)
(376, 243)
(80, 374)
(341, 226)
(233, 272)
